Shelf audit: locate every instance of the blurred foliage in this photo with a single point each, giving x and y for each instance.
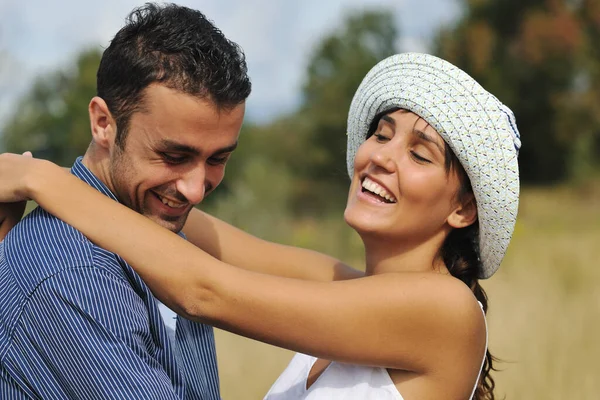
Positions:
(541, 58)
(311, 142)
(337, 67)
(52, 119)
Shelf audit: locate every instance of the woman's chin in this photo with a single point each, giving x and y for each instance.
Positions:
(364, 223)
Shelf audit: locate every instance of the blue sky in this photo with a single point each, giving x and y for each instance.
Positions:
(38, 36)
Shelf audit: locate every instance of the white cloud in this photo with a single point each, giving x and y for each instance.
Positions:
(277, 37)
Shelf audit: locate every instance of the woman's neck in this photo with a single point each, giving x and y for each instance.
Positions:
(383, 256)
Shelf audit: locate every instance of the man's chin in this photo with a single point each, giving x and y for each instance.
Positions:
(173, 224)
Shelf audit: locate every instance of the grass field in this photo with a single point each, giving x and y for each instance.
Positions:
(544, 313)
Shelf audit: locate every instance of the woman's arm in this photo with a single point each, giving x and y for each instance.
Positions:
(404, 321)
(236, 247)
(12, 212)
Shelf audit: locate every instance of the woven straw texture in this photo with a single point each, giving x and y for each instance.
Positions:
(479, 129)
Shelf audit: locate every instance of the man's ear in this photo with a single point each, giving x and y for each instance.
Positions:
(464, 214)
(103, 125)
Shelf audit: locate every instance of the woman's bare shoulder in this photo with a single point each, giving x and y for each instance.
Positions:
(445, 308)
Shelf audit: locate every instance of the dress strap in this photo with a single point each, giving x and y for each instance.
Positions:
(484, 353)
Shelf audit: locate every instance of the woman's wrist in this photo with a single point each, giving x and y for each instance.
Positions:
(41, 175)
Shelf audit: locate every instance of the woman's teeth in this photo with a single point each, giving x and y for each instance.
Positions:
(377, 189)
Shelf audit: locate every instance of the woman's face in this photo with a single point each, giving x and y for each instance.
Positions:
(401, 189)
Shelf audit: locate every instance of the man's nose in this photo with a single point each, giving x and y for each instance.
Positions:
(192, 185)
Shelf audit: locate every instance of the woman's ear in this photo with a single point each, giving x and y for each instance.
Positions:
(102, 123)
(464, 214)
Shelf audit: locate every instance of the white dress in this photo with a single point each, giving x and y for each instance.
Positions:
(338, 381)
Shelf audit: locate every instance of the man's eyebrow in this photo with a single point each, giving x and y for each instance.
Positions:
(169, 145)
(422, 135)
(227, 149)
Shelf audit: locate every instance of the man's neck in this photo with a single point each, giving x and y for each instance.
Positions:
(98, 165)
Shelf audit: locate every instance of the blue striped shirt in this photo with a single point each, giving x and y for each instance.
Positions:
(76, 322)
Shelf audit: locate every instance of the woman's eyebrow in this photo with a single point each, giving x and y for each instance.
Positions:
(422, 135)
(389, 120)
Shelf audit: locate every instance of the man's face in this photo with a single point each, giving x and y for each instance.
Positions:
(175, 154)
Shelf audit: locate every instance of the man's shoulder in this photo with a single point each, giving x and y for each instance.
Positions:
(42, 245)
(40, 236)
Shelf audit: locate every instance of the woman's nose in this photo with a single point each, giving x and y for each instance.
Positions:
(383, 158)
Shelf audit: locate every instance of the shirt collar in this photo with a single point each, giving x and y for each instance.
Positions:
(83, 173)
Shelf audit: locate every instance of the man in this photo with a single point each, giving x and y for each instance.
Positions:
(76, 322)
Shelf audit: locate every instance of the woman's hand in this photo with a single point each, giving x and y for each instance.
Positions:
(16, 172)
(13, 168)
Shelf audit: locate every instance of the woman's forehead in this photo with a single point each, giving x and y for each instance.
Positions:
(408, 120)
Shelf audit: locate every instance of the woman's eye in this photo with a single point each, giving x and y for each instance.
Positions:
(419, 158)
(380, 138)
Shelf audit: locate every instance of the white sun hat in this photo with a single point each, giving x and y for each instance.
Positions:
(480, 130)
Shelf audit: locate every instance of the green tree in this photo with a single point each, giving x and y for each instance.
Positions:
(539, 57)
(310, 143)
(338, 65)
(52, 119)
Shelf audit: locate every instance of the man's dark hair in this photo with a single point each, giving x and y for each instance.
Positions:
(176, 47)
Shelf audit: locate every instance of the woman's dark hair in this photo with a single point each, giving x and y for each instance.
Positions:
(176, 47)
(461, 256)
(460, 253)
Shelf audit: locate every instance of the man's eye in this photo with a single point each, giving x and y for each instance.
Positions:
(173, 158)
(218, 160)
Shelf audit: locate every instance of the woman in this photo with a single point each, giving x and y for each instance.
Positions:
(434, 194)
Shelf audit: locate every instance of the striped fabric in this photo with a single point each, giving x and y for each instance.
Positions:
(76, 322)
